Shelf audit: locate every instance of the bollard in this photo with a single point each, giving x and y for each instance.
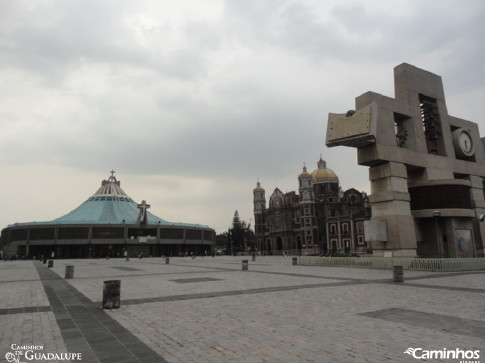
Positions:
(254, 257)
(69, 274)
(398, 274)
(50, 264)
(295, 260)
(111, 294)
(167, 261)
(244, 265)
(44, 260)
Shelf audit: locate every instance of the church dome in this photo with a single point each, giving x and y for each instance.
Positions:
(109, 205)
(323, 174)
(304, 173)
(258, 186)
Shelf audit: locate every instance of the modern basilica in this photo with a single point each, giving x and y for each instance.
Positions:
(109, 223)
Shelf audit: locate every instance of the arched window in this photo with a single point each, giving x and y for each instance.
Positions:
(345, 227)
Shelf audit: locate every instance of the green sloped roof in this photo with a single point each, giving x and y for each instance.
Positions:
(109, 205)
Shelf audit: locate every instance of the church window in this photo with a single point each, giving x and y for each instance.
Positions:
(345, 227)
(360, 227)
(18, 234)
(42, 233)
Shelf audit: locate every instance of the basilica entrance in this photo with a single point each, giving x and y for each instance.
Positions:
(279, 244)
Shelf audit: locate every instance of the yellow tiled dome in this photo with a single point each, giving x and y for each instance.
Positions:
(323, 174)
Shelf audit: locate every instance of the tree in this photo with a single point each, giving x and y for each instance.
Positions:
(240, 235)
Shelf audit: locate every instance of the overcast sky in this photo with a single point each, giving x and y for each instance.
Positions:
(190, 102)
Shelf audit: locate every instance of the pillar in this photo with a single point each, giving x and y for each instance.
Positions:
(390, 202)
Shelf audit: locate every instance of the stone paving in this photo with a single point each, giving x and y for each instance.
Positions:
(209, 310)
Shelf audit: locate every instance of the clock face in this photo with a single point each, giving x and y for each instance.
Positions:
(465, 142)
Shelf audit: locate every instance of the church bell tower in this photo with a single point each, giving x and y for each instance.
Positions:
(259, 201)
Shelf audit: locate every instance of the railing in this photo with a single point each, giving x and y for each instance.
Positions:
(419, 264)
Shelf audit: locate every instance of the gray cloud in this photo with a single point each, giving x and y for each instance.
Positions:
(230, 92)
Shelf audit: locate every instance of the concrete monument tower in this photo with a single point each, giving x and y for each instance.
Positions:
(426, 168)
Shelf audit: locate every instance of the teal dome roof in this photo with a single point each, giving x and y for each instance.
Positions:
(109, 205)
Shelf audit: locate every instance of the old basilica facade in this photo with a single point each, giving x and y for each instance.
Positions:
(321, 219)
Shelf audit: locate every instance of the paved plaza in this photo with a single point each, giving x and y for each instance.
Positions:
(210, 310)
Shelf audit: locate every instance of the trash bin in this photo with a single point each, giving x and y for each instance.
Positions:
(111, 294)
(167, 260)
(294, 260)
(50, 264)
(245, 265)
(69, 274)
(398, 272)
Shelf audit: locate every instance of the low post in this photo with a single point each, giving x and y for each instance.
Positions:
(50, 264)
(294, 260)
(167, 260)
(254, 257)
(111, 294)
(398, 273)
(44, 260)
(245, 265)
(69, 274)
